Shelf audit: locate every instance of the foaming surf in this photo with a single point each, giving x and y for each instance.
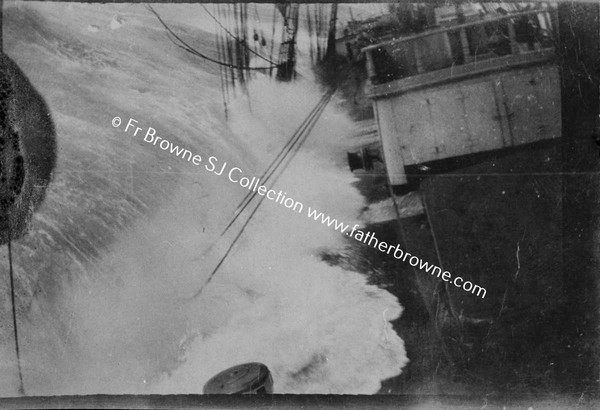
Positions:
(121, 318)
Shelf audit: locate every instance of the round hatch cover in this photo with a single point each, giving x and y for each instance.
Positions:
(244, 378)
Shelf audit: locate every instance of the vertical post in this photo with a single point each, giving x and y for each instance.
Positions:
(239, 51)
(512, 37)
(287, 50)
(417, 54)
(464, 42)
(548, 23)
(555, 27)
(371, 73)
(330, 53)
(310, 31)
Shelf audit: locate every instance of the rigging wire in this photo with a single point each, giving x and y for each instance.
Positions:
(259, 34)
(185, 46)
(263, 41)
(283, 31)
(240, 48)
(223, 53)
(273, 37)
(12, 299)
(302, 134)
(268, 172)
(451, 305)
(432, 315)
(318, 29)
(274, 164)
(221, 68)
(227, 13)
(310, 33)
(239, 57)
(244, 21)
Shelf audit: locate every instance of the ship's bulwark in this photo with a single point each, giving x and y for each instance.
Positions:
(476, 112)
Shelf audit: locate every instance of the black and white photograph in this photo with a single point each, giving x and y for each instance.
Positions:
(300, 204)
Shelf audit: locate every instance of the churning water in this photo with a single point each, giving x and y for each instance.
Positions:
(105, 273)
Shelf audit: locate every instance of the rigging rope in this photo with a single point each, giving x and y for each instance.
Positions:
(432, 315)
(227, 13)
(221, 68)
(275, 162)
(273, 37)
(239, 57)
(263, 41)
(185, 46)
(300, 137)
(310, 33)
(14, 308)
(451, 305)
(318, 30)
(224, 53)
(268, 172)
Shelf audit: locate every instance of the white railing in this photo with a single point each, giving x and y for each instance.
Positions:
(460, 44)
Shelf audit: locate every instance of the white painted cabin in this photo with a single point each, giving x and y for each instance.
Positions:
(479, 86)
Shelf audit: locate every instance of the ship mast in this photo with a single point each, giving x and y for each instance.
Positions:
(287, 52)
(331, 36)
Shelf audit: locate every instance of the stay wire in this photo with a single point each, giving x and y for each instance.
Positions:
(221, 69)
(272, 167)
(305, 135)
(230, 50)
(278, 159)
(260, 28)
(238, 52)
(185, 46)
(310, 33)
(318, 29)
(14, 306)
(432, 315)
(439, 258)
(273, 37)
(223, 51)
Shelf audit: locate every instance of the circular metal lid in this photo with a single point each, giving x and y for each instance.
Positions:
(242, 378)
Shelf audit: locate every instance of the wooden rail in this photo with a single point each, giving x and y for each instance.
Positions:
(454, 28)
(461, 29)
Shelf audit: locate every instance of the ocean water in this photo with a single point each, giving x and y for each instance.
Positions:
(106, 271)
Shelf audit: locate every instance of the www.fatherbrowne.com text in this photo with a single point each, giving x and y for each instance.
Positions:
(236, 175)
(395, 250)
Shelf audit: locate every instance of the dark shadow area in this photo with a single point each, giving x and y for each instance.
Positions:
(523, 224)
